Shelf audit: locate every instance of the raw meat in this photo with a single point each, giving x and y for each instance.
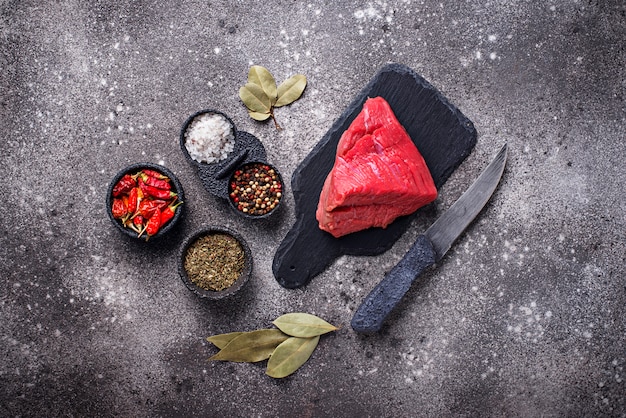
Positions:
(378, 174)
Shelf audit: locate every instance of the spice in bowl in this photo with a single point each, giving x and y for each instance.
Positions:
(144, 200)
(255, 189)
(215, 262)
(209, 137)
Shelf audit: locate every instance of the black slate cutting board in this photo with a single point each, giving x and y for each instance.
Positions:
(443, 135)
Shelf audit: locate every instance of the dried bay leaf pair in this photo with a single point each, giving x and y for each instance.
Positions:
(261, 96)
(288, 347)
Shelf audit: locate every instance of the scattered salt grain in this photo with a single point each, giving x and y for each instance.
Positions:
(210, 138)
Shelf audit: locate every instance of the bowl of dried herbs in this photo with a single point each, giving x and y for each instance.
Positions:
(215, 262)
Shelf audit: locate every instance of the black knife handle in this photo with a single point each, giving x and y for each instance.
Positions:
(385, 296)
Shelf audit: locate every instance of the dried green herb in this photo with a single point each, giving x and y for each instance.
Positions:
(221, 340)
(290, 355)
(256, 99)
(290, 90)
(251, 346)
(286, 351)
(214, 261)
(262, 77)
(303, 325)
(261, 96)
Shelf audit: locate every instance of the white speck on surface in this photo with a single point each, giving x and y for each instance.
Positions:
(368, 13)
(525, 310)
(526, 321)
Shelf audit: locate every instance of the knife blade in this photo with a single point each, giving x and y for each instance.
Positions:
(429, 248)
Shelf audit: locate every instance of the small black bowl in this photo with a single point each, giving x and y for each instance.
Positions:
(188, 122)
(176, 188)
(239, 282)
(255, 212)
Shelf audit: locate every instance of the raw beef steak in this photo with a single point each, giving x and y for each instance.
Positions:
(378, 174)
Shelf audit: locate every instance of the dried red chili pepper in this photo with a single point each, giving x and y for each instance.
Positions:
(124, 185)
(155, 191)
(155, 174)
(126, 218)
(119, 208)
(134, 198)
(155, 182)
(169, 212)
(137, 224)
(154, 223)
(148, 207)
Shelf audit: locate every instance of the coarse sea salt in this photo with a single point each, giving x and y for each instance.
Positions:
(210, 138)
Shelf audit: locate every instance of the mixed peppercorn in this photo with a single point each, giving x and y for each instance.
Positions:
(255, 189)
(144, 201)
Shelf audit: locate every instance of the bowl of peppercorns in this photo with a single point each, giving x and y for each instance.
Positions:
(255, 190)
(215, 262)
(144, 201)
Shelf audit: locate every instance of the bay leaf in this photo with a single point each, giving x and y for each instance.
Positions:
(290, 355)
(221, 340)
(251, 346)
(290, 90)
(303, 325)
(255, 99)
(262, 77)
(259, 116)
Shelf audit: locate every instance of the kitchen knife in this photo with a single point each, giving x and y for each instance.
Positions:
(429, 248)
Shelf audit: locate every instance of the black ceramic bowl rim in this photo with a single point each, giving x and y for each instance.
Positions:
(265, 215)
(188, 122)
(176, 187)
(212, 294)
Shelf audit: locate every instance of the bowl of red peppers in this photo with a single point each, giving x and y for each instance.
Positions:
(145, 200)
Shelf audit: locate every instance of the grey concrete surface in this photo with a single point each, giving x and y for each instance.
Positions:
(524, 317)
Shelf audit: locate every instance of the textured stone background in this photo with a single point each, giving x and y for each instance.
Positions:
(525, 315)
